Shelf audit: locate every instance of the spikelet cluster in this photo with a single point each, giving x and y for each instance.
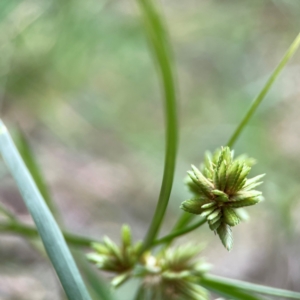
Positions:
(220, 187)
(173, 274)
(120, 260)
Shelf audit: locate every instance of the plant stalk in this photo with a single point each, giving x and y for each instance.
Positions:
(177, 233)
(161, 50)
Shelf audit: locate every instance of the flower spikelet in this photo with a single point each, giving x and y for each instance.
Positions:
(174, 274)
(221, 186)
(117, 259)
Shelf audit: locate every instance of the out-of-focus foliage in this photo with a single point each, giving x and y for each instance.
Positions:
(78, 78)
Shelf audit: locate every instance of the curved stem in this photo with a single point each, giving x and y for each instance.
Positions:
(161, 51)
(211, 281)
(292, 49)
(178, 233)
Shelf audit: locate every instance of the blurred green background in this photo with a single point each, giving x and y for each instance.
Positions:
(78, 78)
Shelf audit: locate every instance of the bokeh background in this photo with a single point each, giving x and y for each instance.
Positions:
(78, 78)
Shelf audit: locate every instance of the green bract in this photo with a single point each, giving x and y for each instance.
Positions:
(219, 188)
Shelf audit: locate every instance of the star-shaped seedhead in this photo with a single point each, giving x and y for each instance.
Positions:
(173, 274)
(117, 259)
(220, 188)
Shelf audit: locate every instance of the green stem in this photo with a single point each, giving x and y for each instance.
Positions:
(175, 234)
(161, 50)
(210, 281)
(31, 232)
(294, 46)
(179, 227)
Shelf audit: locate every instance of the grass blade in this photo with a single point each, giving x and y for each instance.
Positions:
(33, 167)
(48, 229)
(290, 52)
(217, 282)
(161, 50)
(99, 289)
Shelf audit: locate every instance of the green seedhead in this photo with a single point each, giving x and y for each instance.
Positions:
(173, 274)
(219, 188)
(117, 259)
(170, 274)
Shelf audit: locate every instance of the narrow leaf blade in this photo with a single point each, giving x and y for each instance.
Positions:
(48, 229)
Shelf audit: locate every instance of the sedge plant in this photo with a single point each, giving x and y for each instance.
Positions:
(220, 187)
